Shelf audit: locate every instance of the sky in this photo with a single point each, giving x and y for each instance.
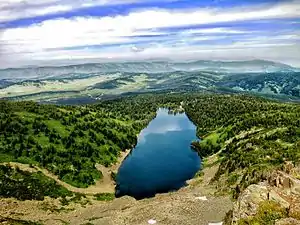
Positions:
(52, 32)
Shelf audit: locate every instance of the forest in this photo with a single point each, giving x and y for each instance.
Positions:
(24, 185)
(69, 140)
(252, 135)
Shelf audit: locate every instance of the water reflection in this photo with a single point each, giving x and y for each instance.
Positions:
(162, 160)
(165, 122)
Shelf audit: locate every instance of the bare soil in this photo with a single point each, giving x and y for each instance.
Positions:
(188, 206)
(104, 185)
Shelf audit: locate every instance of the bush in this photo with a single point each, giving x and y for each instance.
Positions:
(24, 185)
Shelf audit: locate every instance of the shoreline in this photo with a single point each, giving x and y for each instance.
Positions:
(195, 204)
(107, 184)
(104, 185)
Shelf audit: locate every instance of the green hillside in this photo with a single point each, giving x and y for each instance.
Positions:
(24, 185)
(69, 141)
(252, 136)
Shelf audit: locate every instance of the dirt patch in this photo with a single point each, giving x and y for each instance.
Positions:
(194, 204)
(104, 185)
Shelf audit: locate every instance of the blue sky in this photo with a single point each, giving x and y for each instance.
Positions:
(42, 32)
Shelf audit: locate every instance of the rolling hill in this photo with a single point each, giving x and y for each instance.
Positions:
(91, 82)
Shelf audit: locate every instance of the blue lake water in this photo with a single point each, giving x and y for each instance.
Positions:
(162, 160)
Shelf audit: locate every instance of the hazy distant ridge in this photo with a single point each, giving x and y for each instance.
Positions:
(95, 81)
(145, 67)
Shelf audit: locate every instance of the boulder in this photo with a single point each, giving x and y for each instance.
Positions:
(286, 182)
(282, 188)
(296, 187)
(248, 202)
(274, 196)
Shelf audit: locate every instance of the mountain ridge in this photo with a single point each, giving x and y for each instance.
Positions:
(255, 61)
(96, 80)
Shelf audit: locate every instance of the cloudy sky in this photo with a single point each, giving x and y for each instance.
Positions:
(42, 32)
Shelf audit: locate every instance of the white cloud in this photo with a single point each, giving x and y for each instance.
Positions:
(217, 30)
(17, 9)
(84, 31)
(136, 49)
(287, 53)
(26, 44)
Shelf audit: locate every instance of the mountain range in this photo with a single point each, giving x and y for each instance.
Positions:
(99, 80)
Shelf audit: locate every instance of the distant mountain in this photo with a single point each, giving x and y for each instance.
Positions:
(144, 67)
(5, 83)
(284, 83)
(99, 80)
(236, 66)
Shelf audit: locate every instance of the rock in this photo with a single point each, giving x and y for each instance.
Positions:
(202, 198)
(280, 180)
(294, 210)
(122, 203)
(274, 196)
(285, 181)
(288, 167)
(287, 221)
(248, 202)
(296, 190)
(282, 188)
(290, 182)
(151, 221)
(296, 186)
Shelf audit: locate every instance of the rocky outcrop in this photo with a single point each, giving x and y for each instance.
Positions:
(282, 187)
(286, 182)
(248, 202)
(275, 197)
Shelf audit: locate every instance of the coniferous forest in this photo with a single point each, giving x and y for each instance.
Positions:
(252, 136)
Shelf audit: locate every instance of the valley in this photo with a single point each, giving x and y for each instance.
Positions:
(91, 82)
(245, 141)
(149, 112)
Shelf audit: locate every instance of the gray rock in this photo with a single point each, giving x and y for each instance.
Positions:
(274, 196)
(248, 202)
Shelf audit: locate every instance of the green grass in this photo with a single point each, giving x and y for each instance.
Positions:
(26, 160)
(212, 137)
(104, 196)
(268, 213)
(24, 185)
(11, 221)
(57, 126)
(253, 137)
(6, 158)
(27, 115)
(69, 141)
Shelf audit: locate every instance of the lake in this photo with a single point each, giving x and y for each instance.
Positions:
(162, 160)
